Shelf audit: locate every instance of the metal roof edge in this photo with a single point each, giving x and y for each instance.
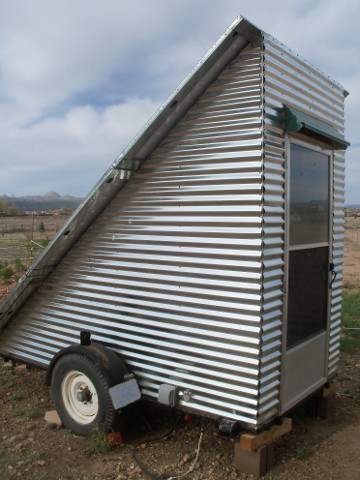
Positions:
(306, 62)
(239, 34)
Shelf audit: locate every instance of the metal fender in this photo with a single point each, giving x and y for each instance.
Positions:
(123, 387)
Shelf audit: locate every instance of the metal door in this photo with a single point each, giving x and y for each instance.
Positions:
(307, 271)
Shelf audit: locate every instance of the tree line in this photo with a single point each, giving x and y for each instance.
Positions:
(7, 210)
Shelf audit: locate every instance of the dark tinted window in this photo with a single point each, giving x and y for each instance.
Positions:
(308, 289)
(309, 196)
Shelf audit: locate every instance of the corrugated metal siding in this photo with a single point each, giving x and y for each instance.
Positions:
(338, 256)
(171, 271)
(290, 80)
(273, 255)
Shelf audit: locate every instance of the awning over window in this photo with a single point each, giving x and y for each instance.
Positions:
(297, 121)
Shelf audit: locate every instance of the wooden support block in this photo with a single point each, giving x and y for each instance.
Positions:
(20, 367)
(254, 463)
(326, 406)
(8, 365)
(252, 442)
(325, 392)
(53, 417)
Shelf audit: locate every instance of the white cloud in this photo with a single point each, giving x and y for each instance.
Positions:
(70, 151)
(79, 78)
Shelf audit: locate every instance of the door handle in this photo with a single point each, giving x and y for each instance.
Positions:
(333, 272)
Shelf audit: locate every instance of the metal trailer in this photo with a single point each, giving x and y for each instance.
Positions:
(207, 262)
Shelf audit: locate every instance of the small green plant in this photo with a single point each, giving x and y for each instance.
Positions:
(19, 411)
(302, 453)
(15, 397)
(45, 242)
(19, 265)
(98, 438)
(16, 278)
(6, 273)
(350, 319)
(355, 394)
(31, 413)
(41, 227)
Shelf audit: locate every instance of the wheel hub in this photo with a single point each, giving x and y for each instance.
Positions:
(84, 395)
(80, 397)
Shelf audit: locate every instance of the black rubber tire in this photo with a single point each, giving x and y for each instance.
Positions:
(105, 413)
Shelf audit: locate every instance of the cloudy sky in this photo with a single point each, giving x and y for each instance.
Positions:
(79, 78)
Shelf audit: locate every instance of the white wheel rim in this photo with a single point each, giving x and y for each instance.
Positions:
(80, 397)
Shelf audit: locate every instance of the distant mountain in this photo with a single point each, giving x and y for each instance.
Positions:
(50, 200)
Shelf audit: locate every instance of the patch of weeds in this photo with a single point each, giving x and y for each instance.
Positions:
(19, 265)
(6, 273)
(350, 322)
(15, 397)
(354, 394)
(98, 439)
(16, 278)
(349, 344)
(19, 411)
(45, 242)
(302, 453)
(38, 455)
(31, 413)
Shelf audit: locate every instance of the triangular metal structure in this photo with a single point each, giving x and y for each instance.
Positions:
(179, 258)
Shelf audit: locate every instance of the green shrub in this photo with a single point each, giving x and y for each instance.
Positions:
(31, 413)
(350, 321)
(42, 227)
(6, 273)
(45, 242)
(302, 453)
(98, 438)
(18, 264)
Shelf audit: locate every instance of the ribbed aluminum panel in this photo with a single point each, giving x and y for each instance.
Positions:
(170, 273)
(290, 80)
(273, 272)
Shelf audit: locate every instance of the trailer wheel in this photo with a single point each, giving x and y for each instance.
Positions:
(81, 394)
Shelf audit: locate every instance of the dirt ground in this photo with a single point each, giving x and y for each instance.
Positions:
(32, 449)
